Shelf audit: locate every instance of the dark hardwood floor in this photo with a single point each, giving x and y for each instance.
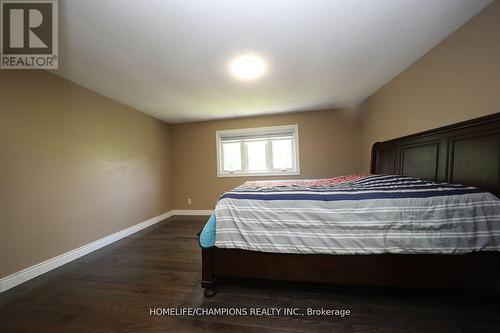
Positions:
(113, 290)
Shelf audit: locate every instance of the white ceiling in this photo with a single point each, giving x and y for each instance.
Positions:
(169, 58)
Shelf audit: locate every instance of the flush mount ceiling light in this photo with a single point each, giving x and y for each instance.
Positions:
(247, 67)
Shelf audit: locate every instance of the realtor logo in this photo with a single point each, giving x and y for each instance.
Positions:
(29, 31)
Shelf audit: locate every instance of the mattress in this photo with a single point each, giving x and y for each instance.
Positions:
(358, 214)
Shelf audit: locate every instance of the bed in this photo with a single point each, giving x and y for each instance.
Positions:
(427, 216)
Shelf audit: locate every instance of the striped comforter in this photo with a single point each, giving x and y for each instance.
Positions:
(361, 214)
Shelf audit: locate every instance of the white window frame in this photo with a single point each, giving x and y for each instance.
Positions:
(256, 131)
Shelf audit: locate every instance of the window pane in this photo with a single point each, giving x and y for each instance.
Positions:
(282, 154)
(258, 151)
(256, 155)
(232, 156)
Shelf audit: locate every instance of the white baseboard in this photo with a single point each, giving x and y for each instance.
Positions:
(31, 272)
(43, 267)
(198, 212)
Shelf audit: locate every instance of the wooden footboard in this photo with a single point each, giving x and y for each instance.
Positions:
(476, 271)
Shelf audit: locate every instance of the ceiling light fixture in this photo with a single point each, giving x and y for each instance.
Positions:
(247, 67)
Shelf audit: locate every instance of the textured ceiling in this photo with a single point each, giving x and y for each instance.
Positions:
(169, 58)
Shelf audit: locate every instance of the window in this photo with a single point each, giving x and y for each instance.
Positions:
(258, 151)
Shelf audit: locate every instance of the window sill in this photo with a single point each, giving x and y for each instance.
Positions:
(258, 174)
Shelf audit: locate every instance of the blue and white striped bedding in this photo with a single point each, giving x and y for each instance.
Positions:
(369, 215)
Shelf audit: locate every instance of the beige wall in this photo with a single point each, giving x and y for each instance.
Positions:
(457, 80)
(74, 167)
(328, 147)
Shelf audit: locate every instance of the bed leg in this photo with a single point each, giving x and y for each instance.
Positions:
(208, 279)
(210, 289)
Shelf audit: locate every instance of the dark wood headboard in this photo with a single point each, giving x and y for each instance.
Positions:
(467, 153)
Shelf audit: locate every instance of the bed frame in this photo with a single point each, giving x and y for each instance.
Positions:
(466, 153)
